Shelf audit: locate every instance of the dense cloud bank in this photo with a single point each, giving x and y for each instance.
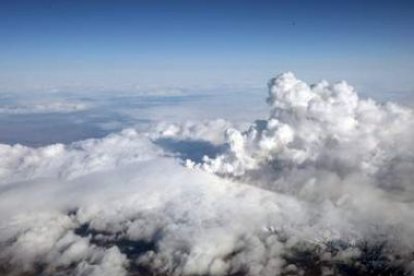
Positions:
(322, 187)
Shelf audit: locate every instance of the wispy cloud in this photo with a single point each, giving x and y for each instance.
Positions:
(47, 107)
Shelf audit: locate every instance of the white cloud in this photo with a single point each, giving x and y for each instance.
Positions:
(208, 130)
(324, 125)
(20, 162)
(326, 170)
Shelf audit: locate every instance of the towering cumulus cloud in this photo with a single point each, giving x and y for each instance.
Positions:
(324, 186)
(323, 126)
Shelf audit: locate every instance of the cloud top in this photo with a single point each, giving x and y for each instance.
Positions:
(324, 125)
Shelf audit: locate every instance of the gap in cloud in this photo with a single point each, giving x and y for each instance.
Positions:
(194, 150)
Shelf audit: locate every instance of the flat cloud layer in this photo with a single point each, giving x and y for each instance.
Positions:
(48, 107)
(323, 186)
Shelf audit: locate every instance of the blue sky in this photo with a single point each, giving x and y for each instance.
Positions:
(120, 44)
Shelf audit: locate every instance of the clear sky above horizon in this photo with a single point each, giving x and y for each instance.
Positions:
(121, 44)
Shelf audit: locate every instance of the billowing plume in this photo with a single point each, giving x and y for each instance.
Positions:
(323, 127)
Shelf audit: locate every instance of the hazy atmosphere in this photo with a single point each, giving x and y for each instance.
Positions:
(206, 138)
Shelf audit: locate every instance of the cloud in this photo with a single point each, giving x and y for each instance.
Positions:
(326, 125)
(323, 185)
(84, 157)
(208, 130)
(48, 107)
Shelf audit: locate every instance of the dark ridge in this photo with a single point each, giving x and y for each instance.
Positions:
(307, 260)
(372, 258)
(132, 249)
(72, 212)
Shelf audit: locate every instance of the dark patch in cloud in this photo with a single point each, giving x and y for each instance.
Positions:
(194, 150)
